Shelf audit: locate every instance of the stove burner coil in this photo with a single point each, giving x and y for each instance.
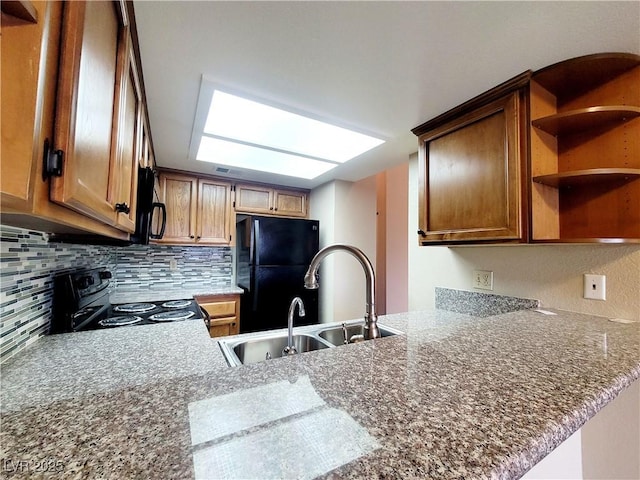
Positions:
(135, 307)
(176, 304)
(120, 321)
(172, 316)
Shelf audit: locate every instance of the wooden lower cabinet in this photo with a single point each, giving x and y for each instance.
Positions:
(224, 311)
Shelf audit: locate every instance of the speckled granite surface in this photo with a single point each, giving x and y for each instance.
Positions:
(455, 397)
(156, 295)
(480, 304)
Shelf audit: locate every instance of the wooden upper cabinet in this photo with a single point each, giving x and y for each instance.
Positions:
(290, 203)
(267, 200)
(254, 199)
(472, 167)
(179, 193)
(21, 113)
(127, 137)
(96, 105)
(214, 207)
(198, 210)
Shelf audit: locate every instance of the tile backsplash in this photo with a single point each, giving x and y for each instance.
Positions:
(29, 263)
(140, 266)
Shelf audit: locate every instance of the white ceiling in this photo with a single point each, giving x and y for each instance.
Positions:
(379, 67)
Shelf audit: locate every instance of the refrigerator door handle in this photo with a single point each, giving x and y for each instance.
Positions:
(255, 241)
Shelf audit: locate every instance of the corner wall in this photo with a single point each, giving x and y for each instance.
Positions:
(347, 214)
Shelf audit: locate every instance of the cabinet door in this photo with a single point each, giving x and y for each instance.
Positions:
(290, 203)
(471, 171)
(214, 212)
(91, 41)
(179, 194)
(127, 138)
(254, 199)
(24, 49)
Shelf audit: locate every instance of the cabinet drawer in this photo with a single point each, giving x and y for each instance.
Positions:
(219, 309)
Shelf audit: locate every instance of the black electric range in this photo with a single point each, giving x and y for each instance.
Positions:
(81, 302)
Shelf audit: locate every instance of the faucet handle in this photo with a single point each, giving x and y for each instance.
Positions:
(345, 334)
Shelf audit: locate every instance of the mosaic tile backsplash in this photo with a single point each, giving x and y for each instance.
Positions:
(29, 263)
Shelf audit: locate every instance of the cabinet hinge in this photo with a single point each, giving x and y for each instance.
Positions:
(51, 161)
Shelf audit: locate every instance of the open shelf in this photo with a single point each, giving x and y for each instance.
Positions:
(16, 12)
(583, 177)
(571, 78)
(579, 241)
(576, 121)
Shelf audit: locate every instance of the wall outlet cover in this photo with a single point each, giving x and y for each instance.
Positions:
(483, 279)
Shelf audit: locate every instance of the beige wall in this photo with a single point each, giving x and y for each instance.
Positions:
(397, 239)
(347, 214)
(549, 273)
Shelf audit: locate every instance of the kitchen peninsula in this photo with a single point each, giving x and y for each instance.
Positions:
(455, 396)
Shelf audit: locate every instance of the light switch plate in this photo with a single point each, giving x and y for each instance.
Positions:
(595, 287)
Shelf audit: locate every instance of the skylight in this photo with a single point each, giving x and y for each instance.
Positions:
(247, 134)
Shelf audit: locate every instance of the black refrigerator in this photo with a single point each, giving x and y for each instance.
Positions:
(272, 256)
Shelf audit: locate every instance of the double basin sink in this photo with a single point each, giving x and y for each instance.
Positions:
(267, 345)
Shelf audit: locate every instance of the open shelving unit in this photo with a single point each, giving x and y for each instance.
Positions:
(585, 150)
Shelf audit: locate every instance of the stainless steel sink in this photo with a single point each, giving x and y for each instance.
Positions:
(336, 336)
(254, 348)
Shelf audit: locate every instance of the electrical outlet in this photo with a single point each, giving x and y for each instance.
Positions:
(173, 265)
(483, 279)
(595, 287)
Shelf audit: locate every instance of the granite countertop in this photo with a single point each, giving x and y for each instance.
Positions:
(168, 294)
(456, 396)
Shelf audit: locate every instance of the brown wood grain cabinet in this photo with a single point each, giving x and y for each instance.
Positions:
(550, 156)
(472, 166)
(50, 73)
(268, 200)
(199, 210)
(224, 311)
(94, 58)
(585, 150)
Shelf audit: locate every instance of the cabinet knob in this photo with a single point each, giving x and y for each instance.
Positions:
(192, 236)
(122, 208)
(270, 208)
(276, 209)
(198, 237)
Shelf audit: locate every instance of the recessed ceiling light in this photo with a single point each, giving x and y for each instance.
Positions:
(244, 133)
